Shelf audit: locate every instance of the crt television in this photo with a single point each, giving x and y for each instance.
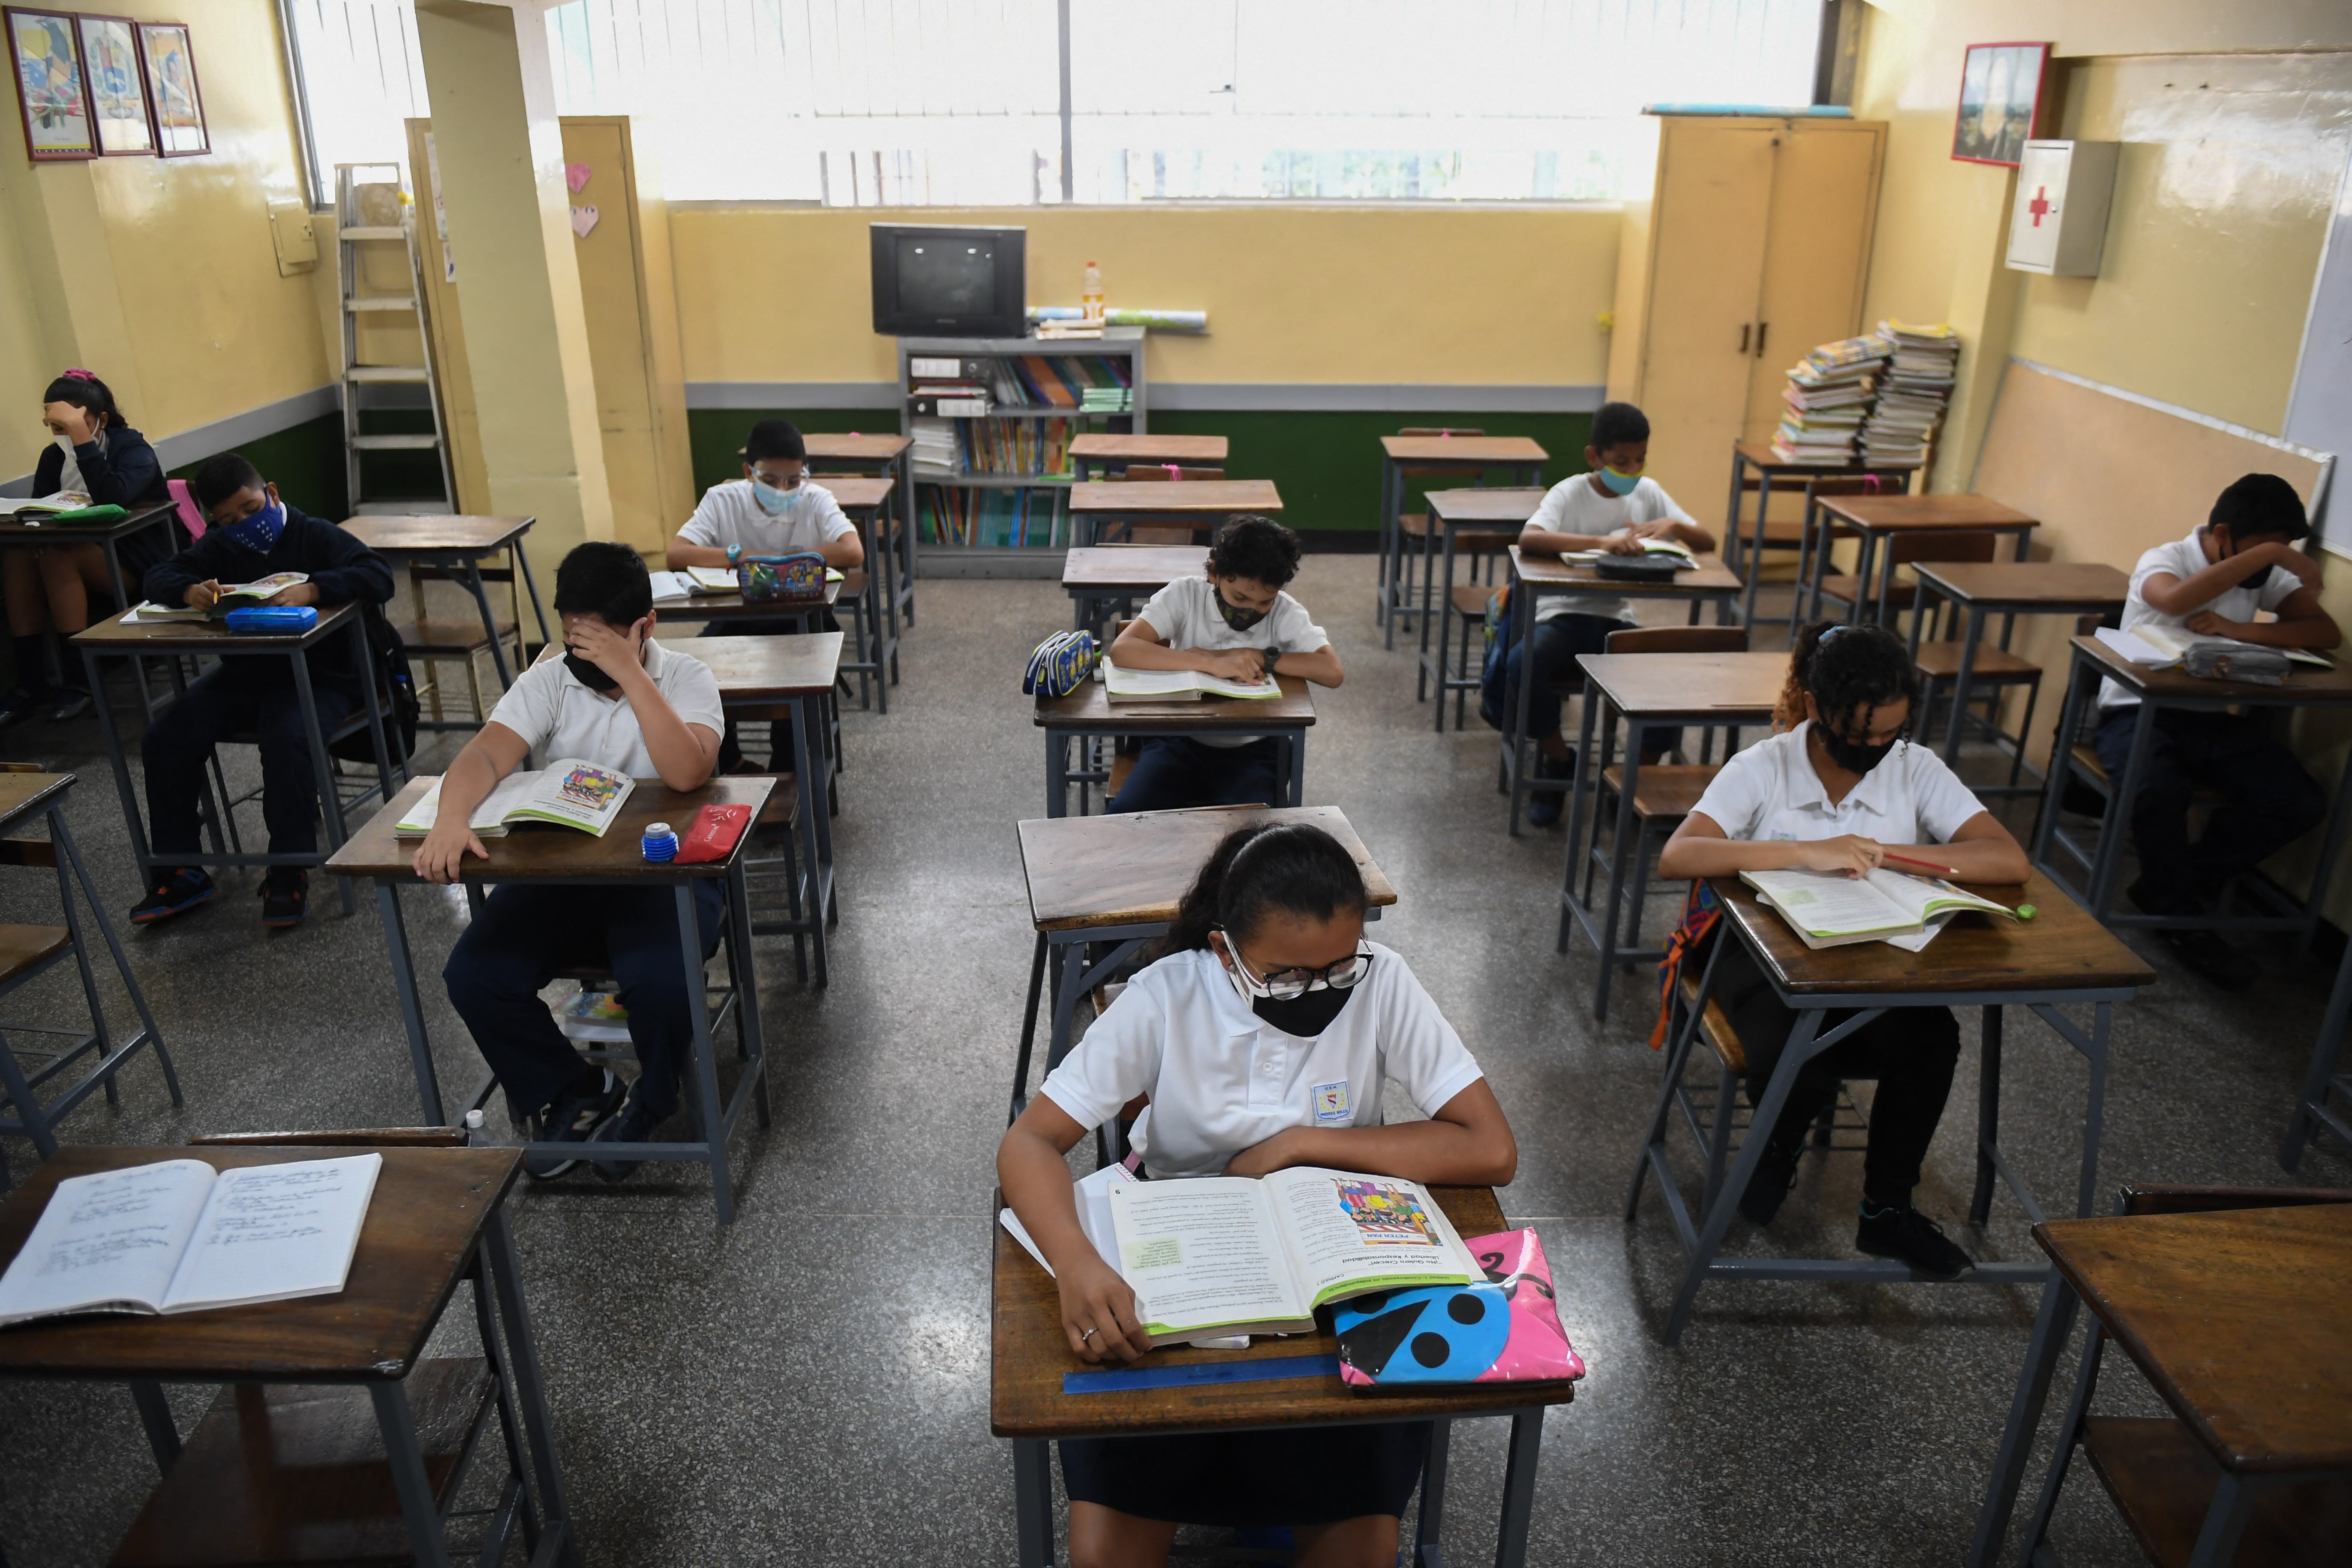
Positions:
(949, 282)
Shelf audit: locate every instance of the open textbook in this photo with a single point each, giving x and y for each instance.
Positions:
(178, 1237)
(1679, 552)
(233, 597)
(567, 791)
(1177, 685)
(37, 506)
(2162, 647)
(1829, 908)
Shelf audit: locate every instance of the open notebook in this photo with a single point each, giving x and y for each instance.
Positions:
(1178, 685)
(1829, 908)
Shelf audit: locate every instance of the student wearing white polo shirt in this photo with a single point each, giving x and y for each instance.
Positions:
(1262, 1038)
(619, 700)
(1838, 789)
(1235, 622)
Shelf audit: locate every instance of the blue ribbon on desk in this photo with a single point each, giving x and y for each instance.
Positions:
(1269, 1369)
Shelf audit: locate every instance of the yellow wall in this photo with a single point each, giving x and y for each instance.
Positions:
(1448, 295)
(159, 273)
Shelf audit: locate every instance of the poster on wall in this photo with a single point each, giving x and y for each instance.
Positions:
(172, 89)
(117, 85)
(52, 88)
(2001, 102)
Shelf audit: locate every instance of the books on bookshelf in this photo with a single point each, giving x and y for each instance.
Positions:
(952, 514)
(934, 451)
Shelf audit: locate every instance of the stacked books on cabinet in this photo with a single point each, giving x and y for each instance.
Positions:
(1828, 396)
(1912, 398)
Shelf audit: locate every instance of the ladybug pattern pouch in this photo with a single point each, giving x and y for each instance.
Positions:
(1505, 1328)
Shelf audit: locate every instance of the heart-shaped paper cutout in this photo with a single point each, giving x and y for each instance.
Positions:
(583, 220)
(576, 176)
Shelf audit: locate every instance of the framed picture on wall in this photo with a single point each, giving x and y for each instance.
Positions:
(52, 88)
(2001, 102)
(117, 85)
(178, 108)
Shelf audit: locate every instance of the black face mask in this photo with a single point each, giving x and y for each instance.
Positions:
(1306, 1014)
(1853, 756)
(588, 674)
(1240, 620)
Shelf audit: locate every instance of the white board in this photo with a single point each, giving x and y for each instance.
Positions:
(2319, 410)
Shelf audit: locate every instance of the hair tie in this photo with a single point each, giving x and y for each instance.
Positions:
(1840, 626)
(77, 374)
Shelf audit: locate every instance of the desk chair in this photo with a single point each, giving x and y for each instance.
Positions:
(435, 641)
(1161, 473)
(779, 821)
(1854, 598)
(1815, 530)
(1415, 524)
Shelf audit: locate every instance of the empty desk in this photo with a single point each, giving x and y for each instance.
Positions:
(1087, 452)
(1465, 457)
(1180, 503)
(1105, 580)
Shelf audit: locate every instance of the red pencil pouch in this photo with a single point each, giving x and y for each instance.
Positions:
(712, 837)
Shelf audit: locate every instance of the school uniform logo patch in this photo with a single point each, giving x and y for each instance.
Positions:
(1331, 1108)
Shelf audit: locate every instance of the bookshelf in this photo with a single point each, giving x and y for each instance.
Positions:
(991, 488)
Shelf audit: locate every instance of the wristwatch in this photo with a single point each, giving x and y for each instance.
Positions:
(1273, 657)
(734, 553)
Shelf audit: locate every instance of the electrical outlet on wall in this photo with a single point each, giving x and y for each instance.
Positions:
(296, 241)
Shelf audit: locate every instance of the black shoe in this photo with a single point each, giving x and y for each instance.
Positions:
(1907, 1236)
(1769, 1186)
(18, 706)
(174, 892)
(72, 703)
(1545, 808)
(285, 896)
(2209, 953)
(635, 1125)
(575, 1117)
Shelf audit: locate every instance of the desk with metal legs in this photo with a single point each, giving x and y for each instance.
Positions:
(1088, 451)
(885, 456)
(1104, 580)
(1744, 552)
(1452, 513)
(456, 547)
(1880, 520)
(1088, 716)
(1196, 504)
(1467, 457)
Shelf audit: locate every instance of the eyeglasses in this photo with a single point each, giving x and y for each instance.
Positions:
(1288, 984)
(779, 482)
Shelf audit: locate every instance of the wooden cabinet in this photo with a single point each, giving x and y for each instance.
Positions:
(1751, 248)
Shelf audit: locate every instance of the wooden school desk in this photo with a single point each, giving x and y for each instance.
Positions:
(2306, 687)
(1533, 577)
(1450, 514)
(1089, 714)
(789, 679)
(1878, 519)
(2238, 1316)
(2061, 957)
(455, 547)
(1745, 555)
(1648, 691)
(1469, 455)
(1183, 451)
(1117, 881)
(307, 1383)
(1104, 580)
(566, 855)
(1179, 503)
(1031, 1403)
(885, 454)
(118, 635)
(23, 529)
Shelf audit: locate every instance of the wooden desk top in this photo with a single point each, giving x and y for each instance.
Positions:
(114, 634)
(1513, 506)
(2063, 948)
(765, 670)
(1179, 497)
(1029, 1353)
(2308, 685)
(2056, 585)
(1133, 869)
(2240, 1319)
(1648, 685)
(1895, 513)
(457, 535)
(538, 850)
(854, 448)
(21, 794)
(142, 515)
(1475, 450)
(1090, 707)
(1097, 566)
(1179, 450)
(1760, 454)
(427, 1211)
(858, 492)
(1551, 573)
(724, 606)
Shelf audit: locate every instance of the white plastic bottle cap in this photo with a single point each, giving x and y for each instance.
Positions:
(473, 1120)
(659, 830)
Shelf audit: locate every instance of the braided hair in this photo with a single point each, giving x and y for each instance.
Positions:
(1294, 867)
(1846, 669)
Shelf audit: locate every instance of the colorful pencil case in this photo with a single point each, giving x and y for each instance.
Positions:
(1059, 664)
(1506, 1328)
(781, 579)
(272, 620)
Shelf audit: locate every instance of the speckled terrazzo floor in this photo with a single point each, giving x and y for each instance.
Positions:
(810, 1385)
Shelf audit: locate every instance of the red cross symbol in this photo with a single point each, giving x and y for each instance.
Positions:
(2039, 205)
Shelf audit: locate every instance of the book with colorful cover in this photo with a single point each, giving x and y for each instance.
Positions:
(569, 792)
(233, 597)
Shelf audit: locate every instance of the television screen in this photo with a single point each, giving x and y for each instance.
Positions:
(963, 282)
(946, 276)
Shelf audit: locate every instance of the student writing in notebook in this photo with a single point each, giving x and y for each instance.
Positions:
(1839, 787)
(1613, 507)
(1262, 1038)
(2243, 561)
(622, 701)
(1235, 621)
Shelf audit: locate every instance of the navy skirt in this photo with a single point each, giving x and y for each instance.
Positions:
(1297, 1476)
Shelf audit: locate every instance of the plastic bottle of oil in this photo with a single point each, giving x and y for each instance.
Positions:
(1090, 297)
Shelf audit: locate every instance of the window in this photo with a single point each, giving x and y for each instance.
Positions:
(961, 102)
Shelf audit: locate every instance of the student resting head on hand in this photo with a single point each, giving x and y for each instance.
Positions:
(1262, 1040)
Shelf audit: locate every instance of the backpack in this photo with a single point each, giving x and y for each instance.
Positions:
(1494, 676)
(396, 688)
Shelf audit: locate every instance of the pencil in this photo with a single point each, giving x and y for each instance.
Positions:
(1924, 865)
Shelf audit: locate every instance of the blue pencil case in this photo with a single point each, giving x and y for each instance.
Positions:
(272, 620)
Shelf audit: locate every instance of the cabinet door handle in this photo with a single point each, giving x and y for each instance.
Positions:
(1743, 337)
(1762, 328)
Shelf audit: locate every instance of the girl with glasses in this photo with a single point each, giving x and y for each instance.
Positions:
(1262, 1038)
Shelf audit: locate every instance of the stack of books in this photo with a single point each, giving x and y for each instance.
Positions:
(1106, 400)
(1911, 400)
(1828, 396)
(935, 449)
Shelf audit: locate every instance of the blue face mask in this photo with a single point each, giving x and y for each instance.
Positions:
(259, 532)
(773, 500)
(1619, 484)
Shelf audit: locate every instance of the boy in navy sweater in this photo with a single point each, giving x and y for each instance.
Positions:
(253, 534)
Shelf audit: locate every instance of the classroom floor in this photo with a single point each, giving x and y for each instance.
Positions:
(811, 1385)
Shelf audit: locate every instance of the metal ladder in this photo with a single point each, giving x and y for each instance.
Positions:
(354, 239)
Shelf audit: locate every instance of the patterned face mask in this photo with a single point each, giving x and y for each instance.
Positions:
(259, 532)
(1239, 619)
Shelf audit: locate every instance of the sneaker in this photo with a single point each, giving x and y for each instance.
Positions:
(285, 896)
(1907, 1236)
(72, 703)
(1545, 808)
(1769, 1186)
(575, 1117)
(2210, 953)
(174, 892)
(18, 706)
(635, 1125)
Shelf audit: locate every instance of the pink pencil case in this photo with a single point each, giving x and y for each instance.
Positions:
(1505, 1328)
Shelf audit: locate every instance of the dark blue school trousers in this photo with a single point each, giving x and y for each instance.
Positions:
(213, 708)
(1176, 772)
(2271, 802)
(525, 934)
(1552, 649)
